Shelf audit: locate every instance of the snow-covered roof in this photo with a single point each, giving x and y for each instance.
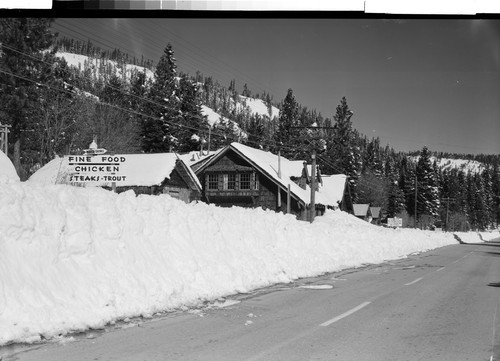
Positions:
(8, 173)
(139, 169)
(361, 209)
(330, 194)
(332, 190)
(375, 211)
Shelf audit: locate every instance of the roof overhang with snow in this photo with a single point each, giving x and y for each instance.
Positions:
(139, 169)
(361, 210)
(269, 164)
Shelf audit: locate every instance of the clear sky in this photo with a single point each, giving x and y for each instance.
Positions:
(411, 82)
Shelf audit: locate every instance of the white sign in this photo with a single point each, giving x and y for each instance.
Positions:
(395, 222)
(97, 168)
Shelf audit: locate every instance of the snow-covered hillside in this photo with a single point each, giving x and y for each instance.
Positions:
(466, 165)
(257, 106)
(253, 106)
(215, 118)
(79, 62)
(461, 164)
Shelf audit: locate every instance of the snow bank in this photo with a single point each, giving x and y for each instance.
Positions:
(477, 237)
(8, 173)
(77, 258)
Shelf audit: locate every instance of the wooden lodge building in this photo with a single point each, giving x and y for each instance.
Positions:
(159, 173)
(239, 175)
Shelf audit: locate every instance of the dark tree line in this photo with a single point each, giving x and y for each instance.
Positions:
(73, 46)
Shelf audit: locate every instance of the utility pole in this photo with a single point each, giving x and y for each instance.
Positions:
(313, 185)
(416, 194)
(279, 176)
(447, 200)
(4, 138)
(447, 208)
(209, 135)
(313, 170)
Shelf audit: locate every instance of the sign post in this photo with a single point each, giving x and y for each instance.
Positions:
(395, 222)
(4, 138)
(97, 169)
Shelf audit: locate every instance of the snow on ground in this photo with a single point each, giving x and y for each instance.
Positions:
(466, 165)
(477, 237)
(461, 164)
(213, 117)
(79, 61)
(8, 173)
(75, 258)
(257, 106)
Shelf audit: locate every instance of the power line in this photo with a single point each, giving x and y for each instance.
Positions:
(122, 91)
(185, 48)
(260, 143)
(222, 135)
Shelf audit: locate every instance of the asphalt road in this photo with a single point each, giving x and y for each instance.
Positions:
(440, 305)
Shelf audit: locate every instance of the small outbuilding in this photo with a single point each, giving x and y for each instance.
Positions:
(362, 211)
(376, 213)
(152, 174)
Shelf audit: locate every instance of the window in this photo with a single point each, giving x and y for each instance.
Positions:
(231, 181)
(255, 180)
(245, 181)
(213, 181)
(224, 181)
(174, 194)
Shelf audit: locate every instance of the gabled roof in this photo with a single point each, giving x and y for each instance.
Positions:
(7, 171)
(330, 194)
(332, 191)
(361, 210)
(195, 160)
(375, 212)
(140, 170)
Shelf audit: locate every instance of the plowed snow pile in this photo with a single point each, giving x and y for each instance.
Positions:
(77, 258)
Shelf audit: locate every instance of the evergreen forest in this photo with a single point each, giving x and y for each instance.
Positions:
(53, 109)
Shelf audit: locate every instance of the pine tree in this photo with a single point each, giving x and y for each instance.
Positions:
(407, 184)
(157, 134)
(139, 88)
(395, 200)
(256, 130)
(286, 134)
(495, 189)
(22, 41)
(114, 91)
(453, 195)
(192, 123)
(372, 160)
(342, 150)
(428, 191)
(246, 92)
(488, 196)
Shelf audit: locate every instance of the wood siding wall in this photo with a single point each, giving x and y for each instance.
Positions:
(265, 196)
